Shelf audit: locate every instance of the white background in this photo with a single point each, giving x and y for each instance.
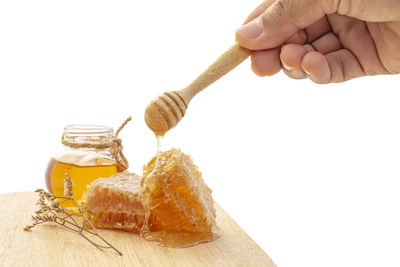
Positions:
(311, 172)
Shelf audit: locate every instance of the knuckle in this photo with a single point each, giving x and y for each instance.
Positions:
(331, 6)
(282, 8)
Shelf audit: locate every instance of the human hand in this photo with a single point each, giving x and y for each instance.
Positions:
(325, 40)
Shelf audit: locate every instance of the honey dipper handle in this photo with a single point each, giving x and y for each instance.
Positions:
(224, 64)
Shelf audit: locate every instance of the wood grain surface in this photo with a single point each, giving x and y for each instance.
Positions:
(51, 245)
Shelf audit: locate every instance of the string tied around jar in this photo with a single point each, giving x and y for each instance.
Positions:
(114, 145)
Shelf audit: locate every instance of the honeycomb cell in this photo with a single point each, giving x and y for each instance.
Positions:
(115, 203)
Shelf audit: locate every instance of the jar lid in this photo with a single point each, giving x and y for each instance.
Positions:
(86, 133)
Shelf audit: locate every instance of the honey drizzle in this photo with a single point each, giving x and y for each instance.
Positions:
(145, 228)
(159, 143)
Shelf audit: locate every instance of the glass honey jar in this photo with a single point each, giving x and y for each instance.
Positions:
(87, 153)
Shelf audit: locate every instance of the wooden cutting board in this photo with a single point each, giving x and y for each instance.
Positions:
(52, 245)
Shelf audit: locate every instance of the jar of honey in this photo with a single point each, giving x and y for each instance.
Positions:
(88, 152)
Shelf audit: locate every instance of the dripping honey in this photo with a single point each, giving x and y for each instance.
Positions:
(81, 176)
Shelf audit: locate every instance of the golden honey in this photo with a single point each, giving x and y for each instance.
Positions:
(81, 176)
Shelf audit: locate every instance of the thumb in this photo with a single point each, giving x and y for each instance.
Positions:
(280, 20)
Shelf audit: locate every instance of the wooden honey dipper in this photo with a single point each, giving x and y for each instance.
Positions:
(164, 112)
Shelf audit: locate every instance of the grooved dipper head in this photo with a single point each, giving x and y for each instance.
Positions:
(164, 112)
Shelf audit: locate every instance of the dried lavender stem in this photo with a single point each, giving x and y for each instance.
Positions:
(50, 210)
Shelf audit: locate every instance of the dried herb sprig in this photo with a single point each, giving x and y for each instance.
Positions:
(51, 210)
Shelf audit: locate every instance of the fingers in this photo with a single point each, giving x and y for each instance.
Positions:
(291, 57)
(338, 66)
(279, 21)
(343, 66)
(327, 43)
(356, 37)
(301, 61)
(317, 67)
(311, 33)
(299, 37)
(317, 29)
(266, 62)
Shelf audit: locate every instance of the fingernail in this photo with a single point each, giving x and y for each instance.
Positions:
(306, 72)
(286, 67)
(295, 74)
(250, 30)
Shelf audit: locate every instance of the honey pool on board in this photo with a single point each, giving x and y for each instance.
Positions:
(172, 205)
(81, 174)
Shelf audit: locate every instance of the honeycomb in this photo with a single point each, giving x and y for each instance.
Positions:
(171, 204)
(179, 207)
(114, 202)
